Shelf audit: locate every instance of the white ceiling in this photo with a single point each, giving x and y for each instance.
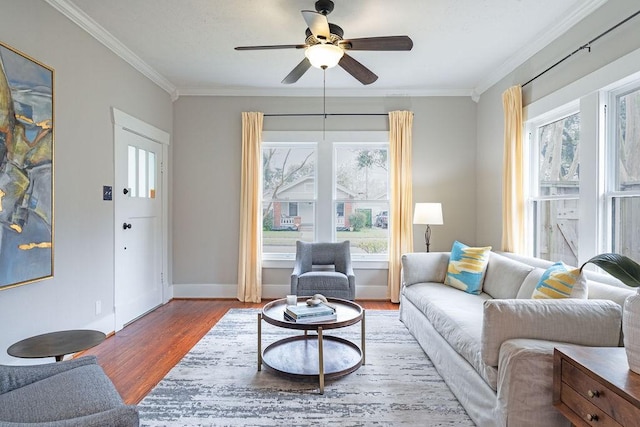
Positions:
(461, 47)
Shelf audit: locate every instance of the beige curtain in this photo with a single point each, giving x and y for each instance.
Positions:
(250, 252)
(401, 203)
(513, 170)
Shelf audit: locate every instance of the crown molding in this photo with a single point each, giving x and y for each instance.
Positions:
(541, 40)
(317, 92)
(82, 20)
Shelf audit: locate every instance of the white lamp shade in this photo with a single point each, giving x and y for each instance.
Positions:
(324, 55)
(428, 213)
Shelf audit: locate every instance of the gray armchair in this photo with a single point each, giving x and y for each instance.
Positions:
(72, 393)
(339, 282)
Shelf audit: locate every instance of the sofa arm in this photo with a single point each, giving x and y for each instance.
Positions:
(525, 384)
(123, 416)
(595, 323)
(13, 377)
(419, 267)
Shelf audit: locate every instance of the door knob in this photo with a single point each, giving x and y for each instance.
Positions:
(125, 226)
(125, 191)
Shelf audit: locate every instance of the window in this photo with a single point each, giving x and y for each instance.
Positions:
(624, 171)
(555, 194)
(288, 196)
(361, 196)
(334, 190)
(141, 172)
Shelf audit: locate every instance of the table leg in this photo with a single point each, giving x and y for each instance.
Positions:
(259, 341)
(362, 337)
(320, 360)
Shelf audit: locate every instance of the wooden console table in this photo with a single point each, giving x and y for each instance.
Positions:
(593, 386)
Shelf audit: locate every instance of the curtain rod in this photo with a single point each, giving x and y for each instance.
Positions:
(323, 114)
(584, 46)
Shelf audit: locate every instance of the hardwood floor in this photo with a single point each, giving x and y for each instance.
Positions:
(141, 354)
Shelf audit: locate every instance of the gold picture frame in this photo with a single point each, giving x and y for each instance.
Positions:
(26, 168)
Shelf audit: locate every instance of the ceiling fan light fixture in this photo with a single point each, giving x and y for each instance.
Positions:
(324, 55)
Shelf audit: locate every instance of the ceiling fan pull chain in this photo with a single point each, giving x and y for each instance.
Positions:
(324, 101)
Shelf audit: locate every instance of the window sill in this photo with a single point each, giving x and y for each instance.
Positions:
(358, 264)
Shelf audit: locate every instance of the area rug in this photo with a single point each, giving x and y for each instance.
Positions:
(217, 383)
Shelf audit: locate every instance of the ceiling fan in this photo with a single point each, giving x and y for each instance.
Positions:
(325, 47)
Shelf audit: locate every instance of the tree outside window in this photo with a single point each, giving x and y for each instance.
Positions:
(558, 188)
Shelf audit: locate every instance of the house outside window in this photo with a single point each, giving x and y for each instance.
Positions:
(555, 192)
(319, 188)
(623, 162)
(361, 196)
(288, 196)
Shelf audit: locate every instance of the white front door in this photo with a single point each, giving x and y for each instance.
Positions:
(138, 225)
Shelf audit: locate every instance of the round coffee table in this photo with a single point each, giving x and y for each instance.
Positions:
(56, 344)
(312, 356)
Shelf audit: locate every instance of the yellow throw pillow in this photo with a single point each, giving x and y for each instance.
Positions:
(560, 281)
(467, 266)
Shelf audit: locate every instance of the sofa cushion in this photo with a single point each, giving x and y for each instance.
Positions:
(560, 281)
(420, 267)
(577, 321)
(457, 317)
(529, 283)
(504, 276)
(75, 393)
(467, 267)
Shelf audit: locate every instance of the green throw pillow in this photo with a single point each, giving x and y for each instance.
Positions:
(560, 281)
(467, 266)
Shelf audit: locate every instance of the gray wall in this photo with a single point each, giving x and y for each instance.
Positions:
(207, 153)
(490, 116)
(89, 80)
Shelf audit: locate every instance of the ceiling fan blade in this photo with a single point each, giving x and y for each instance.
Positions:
(277, 46)
(317, 23)
(378, 43)
(297, 72)
(357, 70)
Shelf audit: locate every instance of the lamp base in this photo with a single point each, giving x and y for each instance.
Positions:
(427, 237)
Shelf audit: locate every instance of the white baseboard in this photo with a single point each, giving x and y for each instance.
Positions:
(211, 290)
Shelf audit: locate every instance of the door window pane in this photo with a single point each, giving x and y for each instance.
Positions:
(152, 175)
(132, 181)
(141, 172)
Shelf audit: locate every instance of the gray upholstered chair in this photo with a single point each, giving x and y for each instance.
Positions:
(74, 393)
(338, 282)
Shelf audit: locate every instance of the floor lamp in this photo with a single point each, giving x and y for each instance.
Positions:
(429, 214)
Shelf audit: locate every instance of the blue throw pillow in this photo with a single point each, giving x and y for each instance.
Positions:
(560, 281)
(467, 266)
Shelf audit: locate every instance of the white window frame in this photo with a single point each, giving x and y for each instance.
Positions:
(293, 144)
(325, 231)
(532, 153)
(611, 229)
(592, 93)
(334, 200)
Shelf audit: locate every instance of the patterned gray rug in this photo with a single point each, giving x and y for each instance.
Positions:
(217, 383)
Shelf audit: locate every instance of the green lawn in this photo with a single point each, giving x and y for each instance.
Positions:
(370, 240)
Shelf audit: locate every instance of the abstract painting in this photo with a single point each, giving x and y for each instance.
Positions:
(26, 169)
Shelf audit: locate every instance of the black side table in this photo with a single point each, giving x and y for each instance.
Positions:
(56, 344)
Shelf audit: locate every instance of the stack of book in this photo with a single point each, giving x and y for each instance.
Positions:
(309, 313)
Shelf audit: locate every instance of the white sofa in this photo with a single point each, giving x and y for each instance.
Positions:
(495, 350)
